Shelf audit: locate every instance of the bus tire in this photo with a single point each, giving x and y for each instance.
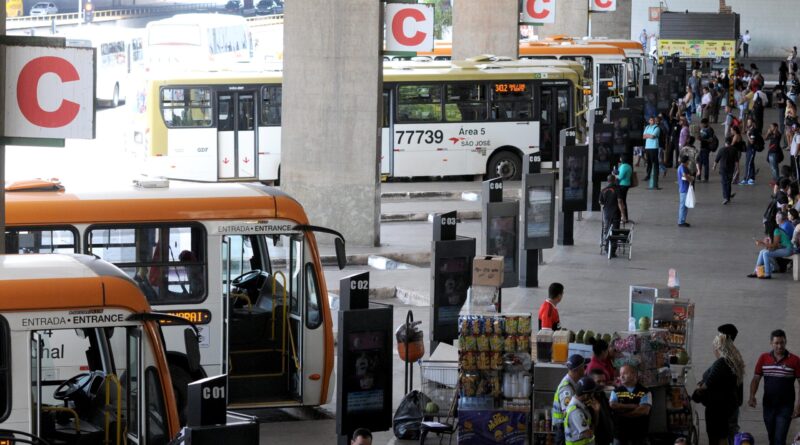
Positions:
(505, 164)
(115, 98)
(180, 385)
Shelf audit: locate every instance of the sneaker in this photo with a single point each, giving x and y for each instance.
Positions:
(743, 182)
(752, 275)
(765, 277)
(613, 255)
(751, 182)
(684, 225)
(732, 195)
(725, 202)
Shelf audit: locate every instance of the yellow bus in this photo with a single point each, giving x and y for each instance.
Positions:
(238, 260)
(14, 8)
(470, 119)
(81, 360)
(604, 64)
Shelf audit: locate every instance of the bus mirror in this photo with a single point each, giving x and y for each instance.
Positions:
(341, 256)
(192, 342)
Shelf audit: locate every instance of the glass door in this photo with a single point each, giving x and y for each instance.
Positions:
(236, 135)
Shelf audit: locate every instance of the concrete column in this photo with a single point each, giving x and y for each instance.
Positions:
(571, 19)
(485, 27)
(614, 25)
(332, 81)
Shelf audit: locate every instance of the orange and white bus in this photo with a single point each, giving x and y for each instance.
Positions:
(635, 58)
(81, 361)
(240, 261)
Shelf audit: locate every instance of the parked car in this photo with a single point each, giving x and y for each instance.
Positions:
(233, 6)
(269, 7)
(44, 8)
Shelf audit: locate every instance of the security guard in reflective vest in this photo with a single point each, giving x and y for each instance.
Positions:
(576, 365)
(581, 414)
(631, 404)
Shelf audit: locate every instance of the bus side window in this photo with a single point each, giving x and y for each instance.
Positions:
(313, 303)
(466, 102)
(41, 240)
(419, 103)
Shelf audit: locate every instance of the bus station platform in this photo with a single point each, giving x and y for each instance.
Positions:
(712, 258)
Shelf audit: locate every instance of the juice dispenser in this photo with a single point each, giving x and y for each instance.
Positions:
(544, 345)
(560, 346)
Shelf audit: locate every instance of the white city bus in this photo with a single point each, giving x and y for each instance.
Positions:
(474, 119)
(197, 41)
(119, 56)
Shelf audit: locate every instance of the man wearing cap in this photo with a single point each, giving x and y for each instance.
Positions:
(733, 424)
(631, 403)
(581, 414)
(565, 392)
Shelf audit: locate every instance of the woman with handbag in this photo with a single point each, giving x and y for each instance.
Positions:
(717, 391)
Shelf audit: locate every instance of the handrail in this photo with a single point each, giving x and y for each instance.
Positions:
(283, 328)
(66, 410)
(109, 379)
(286, 326)
(71, 18)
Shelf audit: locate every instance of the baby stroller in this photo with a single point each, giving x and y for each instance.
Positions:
(623, 237)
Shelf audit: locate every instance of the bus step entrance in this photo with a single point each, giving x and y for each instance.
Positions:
(257, 362)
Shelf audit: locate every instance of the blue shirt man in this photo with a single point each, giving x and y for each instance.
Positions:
(684, 181)
(651, 139)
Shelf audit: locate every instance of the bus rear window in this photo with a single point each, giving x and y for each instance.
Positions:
(41, 240)
(167, 262)
(186, 107)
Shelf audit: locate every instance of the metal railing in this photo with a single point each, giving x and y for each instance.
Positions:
(72, 18)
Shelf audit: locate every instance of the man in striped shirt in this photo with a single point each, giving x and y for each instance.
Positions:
(780, 369)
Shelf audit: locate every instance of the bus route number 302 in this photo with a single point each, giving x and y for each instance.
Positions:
(430, 136)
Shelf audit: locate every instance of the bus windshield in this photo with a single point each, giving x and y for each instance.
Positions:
(173, 34)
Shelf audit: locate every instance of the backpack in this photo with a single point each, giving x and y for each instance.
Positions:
(713, 144)
(758, 141)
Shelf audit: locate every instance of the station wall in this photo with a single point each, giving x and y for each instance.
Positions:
(769, 21)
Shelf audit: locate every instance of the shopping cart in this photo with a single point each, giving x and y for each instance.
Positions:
(623, 236)
(439, 381)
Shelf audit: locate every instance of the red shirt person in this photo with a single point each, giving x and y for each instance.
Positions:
(548, 313)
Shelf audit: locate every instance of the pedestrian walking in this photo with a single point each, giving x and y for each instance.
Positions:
(717, 389)
(685, 179)
(754, 143)
(783, 74)
(794, 151)
(730, 331)
(780, 369)
(774, 150)
(708, 143)
(548, 311)
(612, 205)
(746, 43)
(727, 160)
(650, 136)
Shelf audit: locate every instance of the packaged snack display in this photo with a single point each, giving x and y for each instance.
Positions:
(494, 360)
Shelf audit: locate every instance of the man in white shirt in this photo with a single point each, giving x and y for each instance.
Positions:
(705, 103)
(746, 42)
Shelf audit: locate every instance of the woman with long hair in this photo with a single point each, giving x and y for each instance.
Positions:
(718, 389)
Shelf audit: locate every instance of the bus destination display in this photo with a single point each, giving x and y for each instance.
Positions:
(510, 87)
(195, 316)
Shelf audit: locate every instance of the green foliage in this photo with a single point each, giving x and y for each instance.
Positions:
(442, 16)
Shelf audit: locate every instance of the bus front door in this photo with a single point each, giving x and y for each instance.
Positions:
(554, 115)
(236, 136)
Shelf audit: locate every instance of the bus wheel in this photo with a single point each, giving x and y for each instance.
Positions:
(506, 165)
(115, 99)
(180, 384)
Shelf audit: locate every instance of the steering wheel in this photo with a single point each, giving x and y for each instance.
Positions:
(247, 279)
(68, 389)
